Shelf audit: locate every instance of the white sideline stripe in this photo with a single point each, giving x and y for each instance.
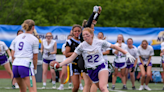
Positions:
(117, 90)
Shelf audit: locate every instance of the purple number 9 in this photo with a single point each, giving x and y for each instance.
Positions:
(21, 45)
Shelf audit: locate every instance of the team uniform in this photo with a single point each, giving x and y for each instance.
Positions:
(119, 60)
(72, 43)
(24, 45)
(47, 49)
(134, 53)
(162, 47)
(145, 53)
(93, 57)
(3, 56)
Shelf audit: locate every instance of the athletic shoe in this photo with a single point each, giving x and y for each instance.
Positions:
(147, 88)
(141, 88)
(60, 88)
(134, 88)
(44, 87)
(13, 86)
(81, 87)
(16, 86)
(113, 88)
(70, 86)
(124, 88)
(54, 86)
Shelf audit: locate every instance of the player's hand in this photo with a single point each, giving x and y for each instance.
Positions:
(133, 69)
(54, 65)
(48, 53)
(95, 9)
(10, 59)
(100, 9)
(130, 57)
(35, 71)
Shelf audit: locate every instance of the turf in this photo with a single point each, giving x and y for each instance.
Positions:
(5, 86)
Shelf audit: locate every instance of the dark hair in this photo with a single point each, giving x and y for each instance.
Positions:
(101, 33)
(76, 25)
(28, 24)
(19, 31)
(130, 39)
(69, 35)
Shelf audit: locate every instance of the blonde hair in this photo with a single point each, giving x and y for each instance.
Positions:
(28, 24)
(48, 33)
(122, 38)
(84, 23)
(89, 30)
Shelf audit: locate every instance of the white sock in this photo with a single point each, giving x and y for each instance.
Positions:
(61, 85)
(146, 86)
(141, 85)
(53, 82)
(70, 82)
(81, 84)
(44, 83)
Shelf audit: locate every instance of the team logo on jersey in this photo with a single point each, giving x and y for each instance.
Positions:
(93, 52)
(159, 39)
(23, 37)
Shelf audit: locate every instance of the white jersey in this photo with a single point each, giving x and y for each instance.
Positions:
(3, 48)
(133, 52)
(120, 57)
(24, 45)
(145, 53)
(105, 56)
(92, 54)
(48, 48)
(63, 49)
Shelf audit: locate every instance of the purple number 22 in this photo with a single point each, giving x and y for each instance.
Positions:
(21, 45)
(95, 58)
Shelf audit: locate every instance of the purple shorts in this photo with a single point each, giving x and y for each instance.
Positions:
(93, 74)
(150, 64)
(162, 61)
(22, 71)
(47, 61)
(129, 66)
(3, 59)
(119, 65)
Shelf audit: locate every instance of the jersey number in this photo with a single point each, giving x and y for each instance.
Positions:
(20, 45)
(95, 58)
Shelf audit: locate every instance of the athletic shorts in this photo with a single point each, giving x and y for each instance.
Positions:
(129, 66)
(47, 61)
(119, 65)
(93, 73)
(3, 59)
(22, 71)
(74, 69)
(150, 64)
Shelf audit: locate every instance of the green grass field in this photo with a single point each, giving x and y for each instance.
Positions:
(5, 86)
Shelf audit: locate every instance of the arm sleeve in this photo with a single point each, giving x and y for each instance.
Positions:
(35, 46)
(105, 44)
(78, 50)
(68, 43)
(5, 46)
(96, 16)
(152, 51)
(90, 20)
(12, 46)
